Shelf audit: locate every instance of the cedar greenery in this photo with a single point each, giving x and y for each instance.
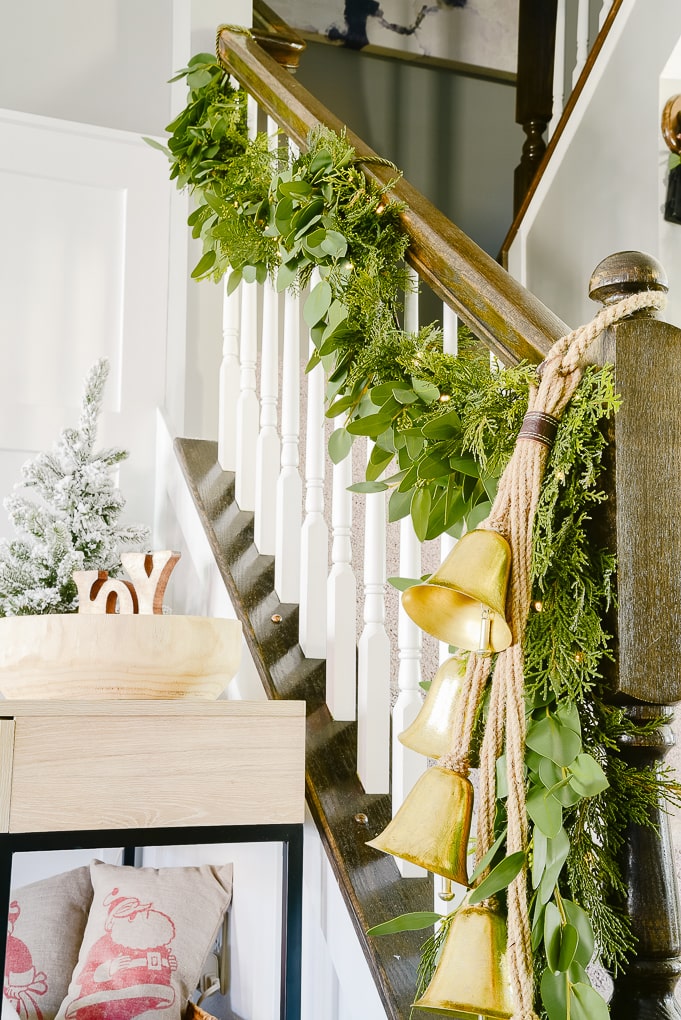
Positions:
(445, 428)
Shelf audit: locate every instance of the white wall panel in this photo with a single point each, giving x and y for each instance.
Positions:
(83, 274)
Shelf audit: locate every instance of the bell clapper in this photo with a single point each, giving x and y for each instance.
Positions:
(446, 892)
(485, 623)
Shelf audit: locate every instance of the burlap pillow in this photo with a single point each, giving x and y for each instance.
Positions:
(46, 924)
(147, 937)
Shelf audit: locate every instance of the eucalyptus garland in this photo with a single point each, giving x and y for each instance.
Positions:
(443, 429)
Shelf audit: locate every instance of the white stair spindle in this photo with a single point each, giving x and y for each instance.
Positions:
(229, 380)
(411, 303)
(582, 39)
(441, 886)
(314, 558)
(341, 613)
(247, 408)
(289, 493)
(268, 450)
(558, 69)
(604, 11)
(408, 765)
(373, 680)
(450, 345)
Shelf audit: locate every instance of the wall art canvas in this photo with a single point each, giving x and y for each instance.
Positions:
(481, 33)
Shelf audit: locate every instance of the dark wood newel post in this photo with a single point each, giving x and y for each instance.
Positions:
(643, 524)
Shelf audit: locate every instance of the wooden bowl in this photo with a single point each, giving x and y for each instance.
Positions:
(94, 657)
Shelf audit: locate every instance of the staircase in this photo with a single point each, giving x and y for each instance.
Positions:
(346, 809)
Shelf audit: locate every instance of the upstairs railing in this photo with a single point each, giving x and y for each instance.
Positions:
(304, 515)
(558, 44)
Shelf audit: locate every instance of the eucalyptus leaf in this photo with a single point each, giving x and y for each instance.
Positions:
(587, 1004)
(204, 265)
(545, 811)
(406, 922)
(557, 850)
(587, 777)
(443, 427)
(369, 424)
(402, 583)
(559, 743)
(368, 487)
(421, 503)
(499, 878)
(427, 391)
(477, 515)
(552, 935)
(414, 443)
(233, 281)
(568, 946)
(334, 244)
(487, 858)
(568, 715)
(317, 303)
(579, 919)
(554, 994)
(539, 855)
(466, 465)
(399, 505)
(378, 462)
(340, 444)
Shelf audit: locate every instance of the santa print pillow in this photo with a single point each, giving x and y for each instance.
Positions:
(45, 927)
(146, 939)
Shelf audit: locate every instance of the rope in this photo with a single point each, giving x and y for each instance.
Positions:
(512, 515)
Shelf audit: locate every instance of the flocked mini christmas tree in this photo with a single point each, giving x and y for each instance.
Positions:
(74, 524)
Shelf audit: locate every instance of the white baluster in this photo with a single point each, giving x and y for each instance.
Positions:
(582, 39)
(373, 680)
(341, 615)
(247, 410)
(229, 380)
(408, 765)
(268, 450)
(558, 69)
(604, 11)
(314, 559)
(442, 887)
(289, 494)
(450, 345)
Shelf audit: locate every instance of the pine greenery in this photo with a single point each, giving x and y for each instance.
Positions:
(73, 524)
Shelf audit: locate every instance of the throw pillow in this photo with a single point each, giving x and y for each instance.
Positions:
(46, 924)
(148, 934)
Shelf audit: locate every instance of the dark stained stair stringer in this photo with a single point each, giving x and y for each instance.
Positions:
(369, 881)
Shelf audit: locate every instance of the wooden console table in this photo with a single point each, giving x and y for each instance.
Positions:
(83, 774)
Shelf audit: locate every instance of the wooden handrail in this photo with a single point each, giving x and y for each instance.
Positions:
(504, 315)
(276, 37)
(560, 127)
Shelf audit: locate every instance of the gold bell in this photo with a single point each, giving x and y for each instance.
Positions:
(431, 731)
(471, 978)
(464, 601)
(433, 824)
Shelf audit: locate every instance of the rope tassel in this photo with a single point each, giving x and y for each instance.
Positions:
(512, 515)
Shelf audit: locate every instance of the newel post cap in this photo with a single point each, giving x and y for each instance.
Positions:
(624, 273)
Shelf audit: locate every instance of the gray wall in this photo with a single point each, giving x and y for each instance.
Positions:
(453, 136)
